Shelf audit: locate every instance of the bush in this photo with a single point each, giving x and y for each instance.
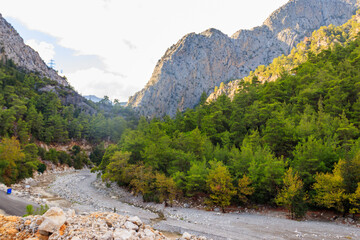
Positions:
(41, 168)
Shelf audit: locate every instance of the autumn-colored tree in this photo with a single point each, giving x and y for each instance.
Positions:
(329, 188)
(219, 183)
(141, 179)
(354, 200)
(244, 188)
(165, 187)
(292, 195)
(10, 155)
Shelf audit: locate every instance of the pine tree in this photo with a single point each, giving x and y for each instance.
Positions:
(292, 195)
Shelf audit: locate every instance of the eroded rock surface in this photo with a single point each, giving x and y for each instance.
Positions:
(12, 47)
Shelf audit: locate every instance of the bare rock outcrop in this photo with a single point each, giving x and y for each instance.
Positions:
(12, 47)
(199, 62)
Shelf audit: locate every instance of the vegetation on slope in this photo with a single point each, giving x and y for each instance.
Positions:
(29, 114)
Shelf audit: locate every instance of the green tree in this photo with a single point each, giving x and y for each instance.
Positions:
(219, 183)
(196, 178)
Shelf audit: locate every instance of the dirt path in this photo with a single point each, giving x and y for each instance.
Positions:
(79, 189)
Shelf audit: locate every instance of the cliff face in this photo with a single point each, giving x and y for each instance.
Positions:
(199, 62)
(12, 47)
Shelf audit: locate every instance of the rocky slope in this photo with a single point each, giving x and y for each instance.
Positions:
(57, 224)
(199, 62)
(12, 47)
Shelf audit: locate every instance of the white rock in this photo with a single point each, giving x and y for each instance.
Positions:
(107, 236)
(131, 226)
(54, 218)
(186, 236)
(122, 234)
(135, 220)
(149, 233)
(70, 213)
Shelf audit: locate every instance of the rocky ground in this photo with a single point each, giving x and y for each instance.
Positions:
(57, 224)
(84, 192)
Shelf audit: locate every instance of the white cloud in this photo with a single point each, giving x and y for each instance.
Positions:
(94, 81)
(46, 50)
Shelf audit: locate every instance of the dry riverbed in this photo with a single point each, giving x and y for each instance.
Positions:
(84, 192)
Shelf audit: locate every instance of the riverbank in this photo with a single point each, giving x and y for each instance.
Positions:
(84, 192)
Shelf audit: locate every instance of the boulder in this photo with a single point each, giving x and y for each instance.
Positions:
(131, 226)
(54, 218)
(186, 236)
(122, 234)
(136, 220)
(148, 233)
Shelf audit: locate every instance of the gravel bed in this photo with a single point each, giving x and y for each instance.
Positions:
(88, 194)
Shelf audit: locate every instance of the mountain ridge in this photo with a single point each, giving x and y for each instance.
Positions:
(12, 47)
(199, 62)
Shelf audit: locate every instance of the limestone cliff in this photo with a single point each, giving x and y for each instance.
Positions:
(199, 62)
(12, 47)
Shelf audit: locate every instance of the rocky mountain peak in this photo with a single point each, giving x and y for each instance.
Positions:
(12, 47)
(212, 31)
(199, 62)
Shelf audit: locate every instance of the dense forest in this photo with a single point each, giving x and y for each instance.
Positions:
(292, 142)
(29, 115)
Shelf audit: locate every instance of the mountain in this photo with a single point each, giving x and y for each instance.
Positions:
(93, 98)
(199, 62)
(322, 39)
(12, 47)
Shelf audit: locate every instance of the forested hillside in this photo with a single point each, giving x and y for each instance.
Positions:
(294, 142)
(29, 115)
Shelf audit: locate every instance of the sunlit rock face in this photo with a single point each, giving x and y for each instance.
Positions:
(12, 47)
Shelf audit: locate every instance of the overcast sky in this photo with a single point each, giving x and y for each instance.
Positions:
(110, 47)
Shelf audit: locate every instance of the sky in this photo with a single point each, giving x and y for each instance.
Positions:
(111, 47)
